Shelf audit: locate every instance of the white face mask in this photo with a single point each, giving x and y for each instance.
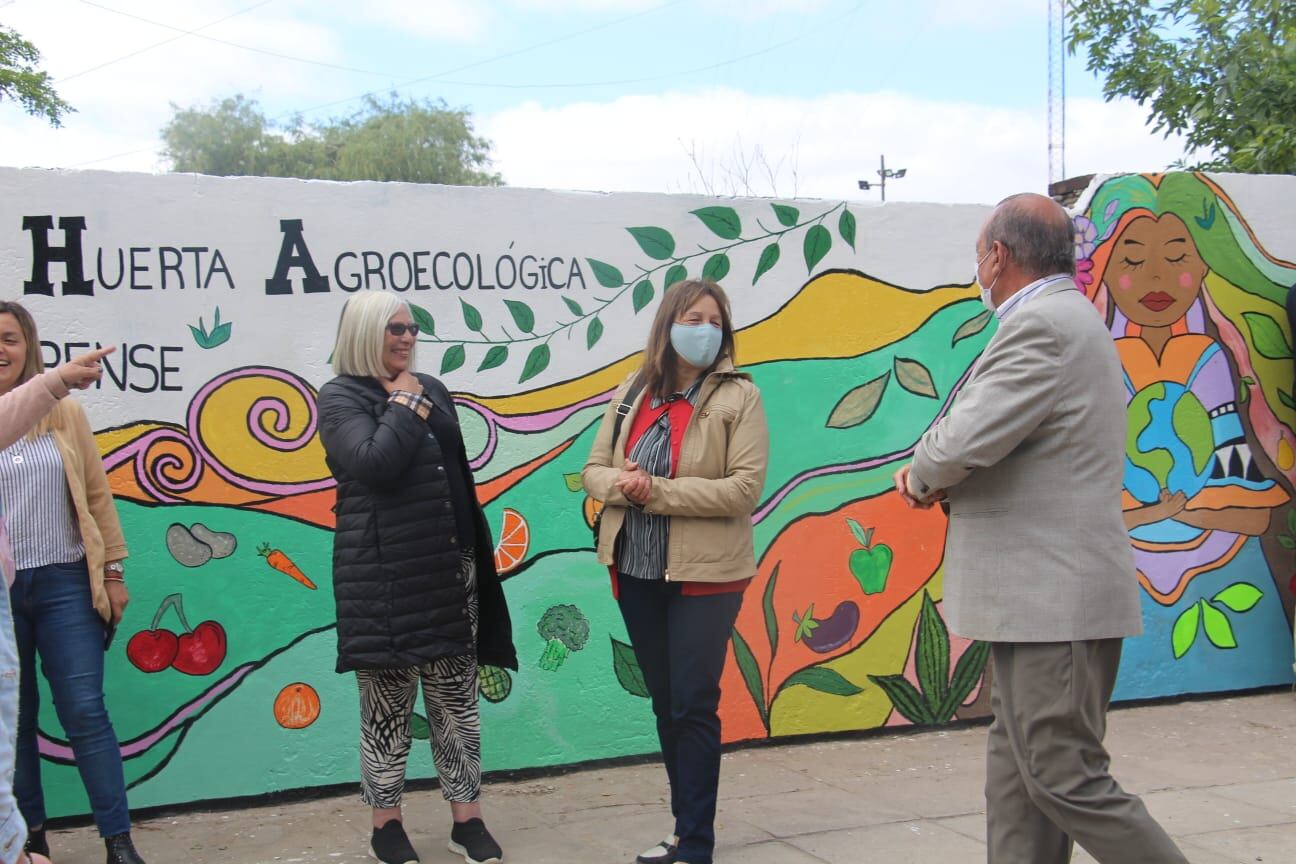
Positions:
(986, 299)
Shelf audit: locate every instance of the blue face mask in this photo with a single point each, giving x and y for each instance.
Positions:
(697, 344)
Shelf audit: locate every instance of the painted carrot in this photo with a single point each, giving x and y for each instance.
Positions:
(281, 562)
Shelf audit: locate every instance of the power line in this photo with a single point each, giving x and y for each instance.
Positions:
(194, 32)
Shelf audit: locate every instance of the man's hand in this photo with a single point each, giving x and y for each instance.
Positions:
(911, 498)
(83, 370)
(635, 483)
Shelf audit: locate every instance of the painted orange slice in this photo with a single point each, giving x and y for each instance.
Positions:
(515, 540)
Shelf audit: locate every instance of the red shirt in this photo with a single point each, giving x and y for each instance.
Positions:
(679, 410)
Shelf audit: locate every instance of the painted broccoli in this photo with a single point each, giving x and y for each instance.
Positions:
(564, 629)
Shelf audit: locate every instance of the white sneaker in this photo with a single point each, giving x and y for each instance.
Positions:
(662, 853)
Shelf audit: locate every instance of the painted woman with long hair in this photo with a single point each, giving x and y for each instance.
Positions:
(1195, 304)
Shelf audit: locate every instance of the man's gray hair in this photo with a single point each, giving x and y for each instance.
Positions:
(1041, 243)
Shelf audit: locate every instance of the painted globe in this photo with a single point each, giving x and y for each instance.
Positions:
(1168, 442)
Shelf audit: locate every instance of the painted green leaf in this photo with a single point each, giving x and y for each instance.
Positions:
(199, 335)
(419, 728)
(423, 318)
(967, 672)
(716, 267)
(971, 327)
(1218, 628)
(751, 675)
(523, 317)
(471, 316)
(771, 620)
(606, 275)
(787, 216)
(846, 227)
(494, 357)
(594, 333)
(677, 273)
(933, 650)
(860, 534)
(859, 404)
(220, 335)
(768, 258)
(723, 221)
(806, 624)
(657, 243)
(1286, 541)
(537, 361)
(642, 295)
(1285, 398)
(905, 697)
(815, 246)
(1267, 335)
(1291, 520)
(453, 358)
(1240, 596)
(573, 482)
(626, 666)
(573, 306)
(1185, 630)
(914, 377)
(824, 680)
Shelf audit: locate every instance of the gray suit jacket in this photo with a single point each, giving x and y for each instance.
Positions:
(1031, 456)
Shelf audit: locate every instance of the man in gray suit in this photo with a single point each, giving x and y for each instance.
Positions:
(1037, 562)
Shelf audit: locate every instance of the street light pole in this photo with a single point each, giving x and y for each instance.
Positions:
(884, 174)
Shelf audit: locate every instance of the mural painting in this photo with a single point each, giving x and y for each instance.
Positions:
(858, 325)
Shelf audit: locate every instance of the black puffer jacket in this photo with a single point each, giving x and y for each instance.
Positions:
(396, 573)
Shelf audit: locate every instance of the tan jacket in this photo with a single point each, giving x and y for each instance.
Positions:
(716, 486)
(101, 530)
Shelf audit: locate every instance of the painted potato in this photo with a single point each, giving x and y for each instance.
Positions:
(222, 544)
(185, 548)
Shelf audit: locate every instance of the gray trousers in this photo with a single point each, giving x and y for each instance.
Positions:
(1047, 779)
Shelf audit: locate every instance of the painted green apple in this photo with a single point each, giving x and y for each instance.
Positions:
(870, 567)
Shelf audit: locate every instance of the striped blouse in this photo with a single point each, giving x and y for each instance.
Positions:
(644, 536)
(37, 504)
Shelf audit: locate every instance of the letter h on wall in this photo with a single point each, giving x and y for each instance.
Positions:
(69, 255)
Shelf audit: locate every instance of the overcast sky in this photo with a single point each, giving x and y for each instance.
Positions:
(800, 97)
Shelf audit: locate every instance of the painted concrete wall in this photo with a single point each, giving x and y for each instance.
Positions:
(858, 323)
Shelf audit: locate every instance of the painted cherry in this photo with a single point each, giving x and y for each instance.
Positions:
(152, 650)
(201, 650)
(197, 651)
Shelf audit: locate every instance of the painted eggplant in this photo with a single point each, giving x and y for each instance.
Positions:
(822, 635)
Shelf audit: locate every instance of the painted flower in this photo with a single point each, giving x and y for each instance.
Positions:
(1086, 236)
(1084, 274)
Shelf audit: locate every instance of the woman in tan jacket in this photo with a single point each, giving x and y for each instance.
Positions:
(68, 594)
(679, 484)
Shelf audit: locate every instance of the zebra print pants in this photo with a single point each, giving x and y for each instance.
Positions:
(450, 698)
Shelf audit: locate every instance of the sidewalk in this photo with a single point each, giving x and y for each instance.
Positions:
(1220, 775)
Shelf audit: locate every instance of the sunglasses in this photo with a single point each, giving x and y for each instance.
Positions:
(399, 329)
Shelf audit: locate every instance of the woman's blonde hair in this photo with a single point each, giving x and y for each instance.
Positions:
(361, 334)
(33, 364)
(660, 359)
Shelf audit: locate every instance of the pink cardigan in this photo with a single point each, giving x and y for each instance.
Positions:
(20, 409)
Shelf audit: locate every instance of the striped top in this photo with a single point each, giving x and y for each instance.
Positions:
(37, 504)
(644, 536)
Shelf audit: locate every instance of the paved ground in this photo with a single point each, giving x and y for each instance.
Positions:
(1219, 774)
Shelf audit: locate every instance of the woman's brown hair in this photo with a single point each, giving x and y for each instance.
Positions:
(33, 365)
(660, 360)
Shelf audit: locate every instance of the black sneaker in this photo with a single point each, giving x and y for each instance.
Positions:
(121, 850)
(37, 843)
(471, 840)
(663, 853)
(390, 845)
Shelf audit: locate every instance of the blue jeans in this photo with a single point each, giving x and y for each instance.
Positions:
(680, 642)
(55, 618)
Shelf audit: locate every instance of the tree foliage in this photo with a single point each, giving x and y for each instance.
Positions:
(22, 82)
(1220, 72)
(413, 141)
